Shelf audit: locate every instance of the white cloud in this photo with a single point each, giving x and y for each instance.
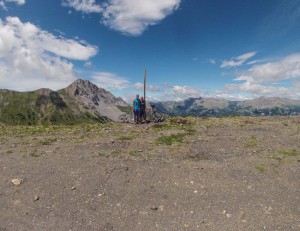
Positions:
(259, 80)
(88, 64)
(177, 93)
(185, 90)
(29, 61)
(256, 61)
(246, 56)
(130, 17)
(133, 17)
(258, 89)
(153, 88)
(168, 92)
(109, 81)
(212, 61)
(140, 86)
(286, 68)
(19, 2)
(85, 6)
(237, 61)
(3, 3)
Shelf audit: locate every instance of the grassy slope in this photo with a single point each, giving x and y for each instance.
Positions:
(33, 108)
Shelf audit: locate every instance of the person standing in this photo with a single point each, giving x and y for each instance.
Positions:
(136, 106)
(143, 109)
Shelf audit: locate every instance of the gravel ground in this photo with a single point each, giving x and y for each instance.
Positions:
(238, 173)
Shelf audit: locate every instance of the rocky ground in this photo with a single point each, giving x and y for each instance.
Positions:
(236, 173)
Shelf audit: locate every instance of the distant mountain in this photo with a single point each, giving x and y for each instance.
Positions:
(82, 101)
(222, 107)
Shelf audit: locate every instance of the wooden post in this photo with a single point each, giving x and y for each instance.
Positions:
(145, 84)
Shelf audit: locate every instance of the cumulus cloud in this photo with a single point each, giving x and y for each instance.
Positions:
(153, 88)
(258, 89)
(185, 90)
(109, 81)
(237, 61)
(259, 80)
(130, 17)
(178, 93)
(85, 6)
(168, 92)
(285, 68)
(140, 86)
(31, 58)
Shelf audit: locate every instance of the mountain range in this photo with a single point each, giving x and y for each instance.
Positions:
(222, 107)
(83, 101)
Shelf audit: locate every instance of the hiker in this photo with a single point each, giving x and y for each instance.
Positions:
(143, 110)
(136, 106)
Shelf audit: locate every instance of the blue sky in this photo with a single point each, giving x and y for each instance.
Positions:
(191, 48)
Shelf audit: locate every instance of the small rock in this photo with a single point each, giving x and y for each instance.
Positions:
(16, 202)
(140, 150)
(242, 215)
(228, 215)
(36, 198)
(17, 181)
(73, 188)
(154, 208)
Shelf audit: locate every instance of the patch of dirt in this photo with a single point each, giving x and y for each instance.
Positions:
(238, 173)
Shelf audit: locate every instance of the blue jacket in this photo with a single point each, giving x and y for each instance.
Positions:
(136, 104)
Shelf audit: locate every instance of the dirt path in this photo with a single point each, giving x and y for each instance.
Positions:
(185, 174)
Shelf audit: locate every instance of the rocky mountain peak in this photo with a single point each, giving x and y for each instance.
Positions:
(83, 88)
(91, 97)
(86, 89)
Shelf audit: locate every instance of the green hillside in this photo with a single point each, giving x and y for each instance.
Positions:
(42, 107)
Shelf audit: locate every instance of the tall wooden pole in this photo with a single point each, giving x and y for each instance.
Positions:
(145, 84)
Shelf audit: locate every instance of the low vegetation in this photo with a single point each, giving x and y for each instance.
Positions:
(251, 143)
(171, 139)
(261, 168)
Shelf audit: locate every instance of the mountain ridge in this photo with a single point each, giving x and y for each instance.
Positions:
(81, 101)
(222, 107)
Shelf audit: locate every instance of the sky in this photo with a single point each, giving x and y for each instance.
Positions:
(229, 49)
